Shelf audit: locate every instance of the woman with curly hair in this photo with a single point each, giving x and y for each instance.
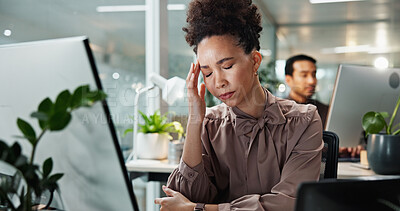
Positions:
(251, 151)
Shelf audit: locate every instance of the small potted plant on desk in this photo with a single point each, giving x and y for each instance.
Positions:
(153, 136)
(25, 184)
(382, 147)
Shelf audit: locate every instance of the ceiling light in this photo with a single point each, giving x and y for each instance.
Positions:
(115, 75)
(7, 33)
(381, 63)
(360, 49)
(347, 49)
(330, 1)
(352, 49)
(382, 50)
(135, 8)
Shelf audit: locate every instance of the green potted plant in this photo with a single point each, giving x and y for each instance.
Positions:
(20, 190)
(383, 141)
(153, 136)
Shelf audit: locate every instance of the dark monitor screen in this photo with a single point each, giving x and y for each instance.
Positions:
(87, 151)
(358, 90)
(349, 195)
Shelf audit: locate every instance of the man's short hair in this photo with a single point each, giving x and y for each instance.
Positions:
(293, 59)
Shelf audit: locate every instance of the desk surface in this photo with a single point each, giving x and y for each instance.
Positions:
(146, 166)
(349, 170)
(345, 169)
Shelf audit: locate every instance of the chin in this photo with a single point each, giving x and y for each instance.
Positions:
(230, 103)
(309, 95)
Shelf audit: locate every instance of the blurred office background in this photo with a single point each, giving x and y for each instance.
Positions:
(357, 32)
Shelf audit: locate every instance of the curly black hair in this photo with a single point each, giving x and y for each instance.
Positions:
(239, 18)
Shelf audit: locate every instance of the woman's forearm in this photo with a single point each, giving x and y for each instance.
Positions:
(192, 149)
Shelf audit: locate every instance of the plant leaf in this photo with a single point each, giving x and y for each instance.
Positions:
(47, 167)
(79, 97)
(146, 119)
(40, 115)
(97, 95)
(14, 153)
(27, 130)
(62, 101)
(142, 128)
(158, 123)
(373, 122)
(167, 127)
(396, 126)
(152, 128)
(396, 132)
(59, 120)
(47, 107)
(51, 182)
(384, 114)
(83, 97)
(56, 177)
(19, 137)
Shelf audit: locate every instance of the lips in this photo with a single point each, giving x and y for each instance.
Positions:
(226, 95)
(310, 89)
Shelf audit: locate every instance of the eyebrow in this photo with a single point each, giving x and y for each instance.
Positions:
(306, 71)
(219, 62)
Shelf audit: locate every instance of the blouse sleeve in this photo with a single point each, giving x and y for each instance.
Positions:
(195, 183)
(303, 164)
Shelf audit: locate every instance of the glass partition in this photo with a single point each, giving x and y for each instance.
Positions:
(117, 40)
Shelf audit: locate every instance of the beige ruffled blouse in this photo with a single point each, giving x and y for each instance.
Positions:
(254, 164)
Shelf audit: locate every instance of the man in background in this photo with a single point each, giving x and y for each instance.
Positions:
(300, 71)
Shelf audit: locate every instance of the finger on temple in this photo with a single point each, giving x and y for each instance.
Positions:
(190, 71)
(197, 72)
(195, 76)
(202, 91)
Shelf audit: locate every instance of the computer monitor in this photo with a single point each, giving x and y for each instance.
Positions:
(359, 89)
(87, 151)
(381, 194)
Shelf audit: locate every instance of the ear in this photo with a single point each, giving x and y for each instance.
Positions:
(289, 80)
(256, 58)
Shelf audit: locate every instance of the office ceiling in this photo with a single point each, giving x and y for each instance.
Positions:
(372, 27)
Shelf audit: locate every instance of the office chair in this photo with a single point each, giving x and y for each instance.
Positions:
(329, 160)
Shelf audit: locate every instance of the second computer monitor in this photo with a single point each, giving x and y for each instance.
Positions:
(359, 89)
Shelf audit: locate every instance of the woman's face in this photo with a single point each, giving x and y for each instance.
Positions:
(229, 73)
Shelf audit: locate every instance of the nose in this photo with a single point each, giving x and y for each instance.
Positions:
(312, 80)
(220, 80)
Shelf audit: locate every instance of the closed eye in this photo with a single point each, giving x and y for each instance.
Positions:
(208, 75)
(228, 67)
